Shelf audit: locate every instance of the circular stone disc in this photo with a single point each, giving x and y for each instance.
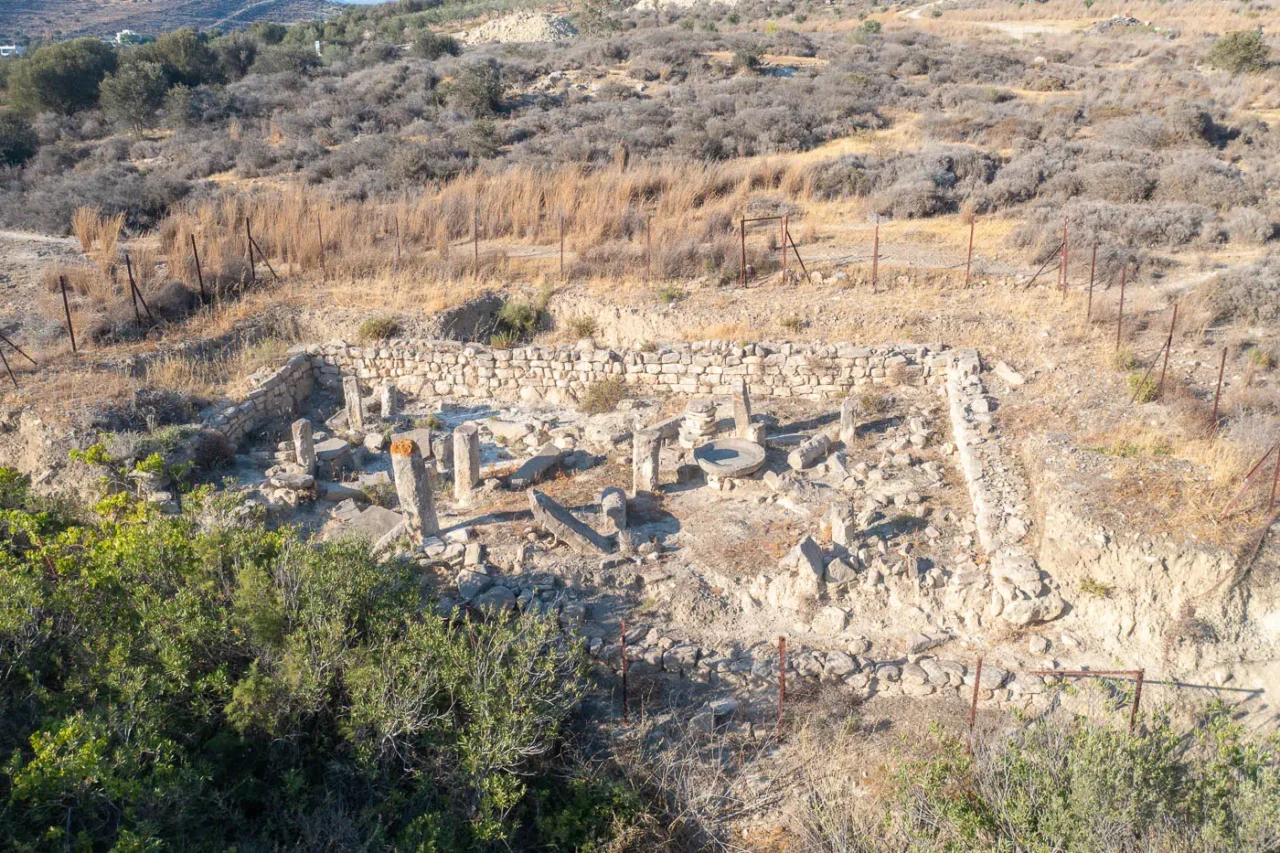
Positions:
(729, 457)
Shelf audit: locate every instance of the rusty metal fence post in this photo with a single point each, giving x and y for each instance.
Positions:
(973, 704)
(195, 254)
(1168, 345)
(8, 369)
(784, 248)
(1139, 676)
(875, 256)
(66, 307)
(1093, 266)
(562, 278)
(137, 293)
(623, 634)
(1120, 314)
(968, 261)
(648, 249)
(782, 679)
(742, 252)
(1217, 393)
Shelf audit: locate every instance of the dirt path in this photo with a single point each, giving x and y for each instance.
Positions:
(24, 257)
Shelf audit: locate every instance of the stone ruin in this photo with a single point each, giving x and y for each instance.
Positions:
(472, 461)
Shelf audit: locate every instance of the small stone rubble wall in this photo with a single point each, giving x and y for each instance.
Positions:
(276, 395)
(560, 374)
(1022, 594)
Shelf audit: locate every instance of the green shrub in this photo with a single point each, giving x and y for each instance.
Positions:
(18, 140)
(132, 96)
(185, 56)
(505, 339)
(1240, 52)
(475, 91)
(380, 494)
(1142, 387)
(583, 326)
(603, 396)
(1097, 589)
(431, 421)
(521, 318)
(1074, 785)
(168, 665)
(748, 58)
(378, 329)
(61, 77)
(671, 294)
(153, 464)
(429, 45)
(94, 454)
(285, 59)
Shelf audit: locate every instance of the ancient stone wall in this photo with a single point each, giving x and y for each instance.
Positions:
(275, 395)
(559, 374)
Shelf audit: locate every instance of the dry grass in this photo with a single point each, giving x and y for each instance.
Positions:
(1190, 16)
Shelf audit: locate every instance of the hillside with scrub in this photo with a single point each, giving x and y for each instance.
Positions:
(663, 426)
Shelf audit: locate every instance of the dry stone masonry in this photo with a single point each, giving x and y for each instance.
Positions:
(1022, 594)
(559, 374)
(276, 396)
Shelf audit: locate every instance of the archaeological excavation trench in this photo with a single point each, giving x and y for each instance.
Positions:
(862, 502)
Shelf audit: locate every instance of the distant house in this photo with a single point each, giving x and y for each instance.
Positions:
(130, 37)
(7, 50)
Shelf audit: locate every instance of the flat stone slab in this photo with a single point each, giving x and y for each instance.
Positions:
(295, 482)
(535, 470)
(420, 437)
(376, 525)
(331, 448)
(559, 522)
(729, 457)
(335, 492)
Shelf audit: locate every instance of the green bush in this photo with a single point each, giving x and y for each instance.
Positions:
(285, 59)
(475, 91)
(307, 691)
(429, 45)
(185, 56)
(521, 318)
(132, 96)
(61, 76)
(1240, 52)
(603, 396)
(378, 328)
(18, 141)
(1142, 387)
(1072, 785)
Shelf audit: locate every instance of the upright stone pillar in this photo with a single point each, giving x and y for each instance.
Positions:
(355, 405)
(466, 460)
(391, 402)
(613, 503)
(850, 411)
(413, 486)
(741, 409)
(843, 527)
(646, 457)
(304, 448)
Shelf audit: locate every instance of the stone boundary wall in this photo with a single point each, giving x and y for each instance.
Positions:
(560, 374)
(1022, 594)
(276, 395)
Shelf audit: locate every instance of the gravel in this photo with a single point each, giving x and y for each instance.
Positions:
(522, 26)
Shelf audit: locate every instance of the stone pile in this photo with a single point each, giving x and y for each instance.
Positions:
(699, 423)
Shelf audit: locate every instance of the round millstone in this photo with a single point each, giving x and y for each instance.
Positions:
(729, 457)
